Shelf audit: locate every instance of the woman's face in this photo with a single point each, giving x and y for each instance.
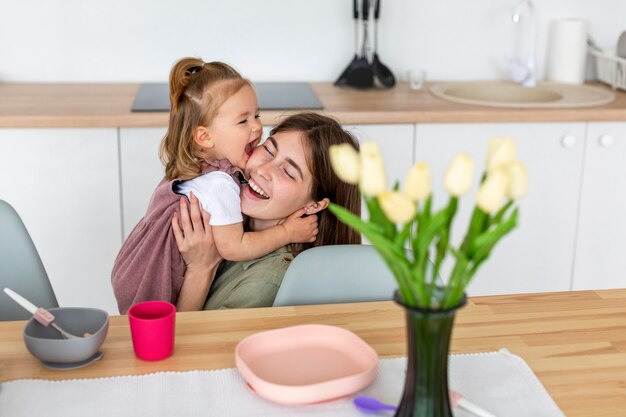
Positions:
(279, 179)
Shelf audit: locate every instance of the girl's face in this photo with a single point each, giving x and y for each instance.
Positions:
(279, 180)
(236, 128)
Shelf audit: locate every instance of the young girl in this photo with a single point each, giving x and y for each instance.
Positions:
(214, 126)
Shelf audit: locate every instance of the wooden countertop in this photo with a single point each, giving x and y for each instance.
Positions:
(575, 342)
(108, 105)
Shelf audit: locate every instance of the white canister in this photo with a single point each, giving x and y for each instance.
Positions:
(567, 51)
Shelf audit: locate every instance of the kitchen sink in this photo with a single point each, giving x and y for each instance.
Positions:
(512, 95)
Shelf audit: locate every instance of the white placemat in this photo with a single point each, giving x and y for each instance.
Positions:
(500, 382)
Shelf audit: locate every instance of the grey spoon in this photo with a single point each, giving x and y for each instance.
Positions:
(40, 314)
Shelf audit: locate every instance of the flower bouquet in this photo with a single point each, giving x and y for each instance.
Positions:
(406, 218)
(398, 219)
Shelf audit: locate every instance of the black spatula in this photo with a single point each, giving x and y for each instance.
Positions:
(360, 74)
(382, 73)
(342, 80)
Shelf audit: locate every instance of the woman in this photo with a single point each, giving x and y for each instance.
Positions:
(289, 171)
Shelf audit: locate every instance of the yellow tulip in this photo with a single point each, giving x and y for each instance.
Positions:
(493, 190)
(398, 207)
(345, 162)
(458, 178)
(501, 151)
(418, 182)
(373, 181)
(518, 182)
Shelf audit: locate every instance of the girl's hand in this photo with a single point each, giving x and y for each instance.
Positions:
(194, 237)
(301, 229)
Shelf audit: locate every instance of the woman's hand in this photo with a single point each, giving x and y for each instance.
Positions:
(194, 239)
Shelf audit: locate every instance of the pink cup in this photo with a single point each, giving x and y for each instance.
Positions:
(152, 325)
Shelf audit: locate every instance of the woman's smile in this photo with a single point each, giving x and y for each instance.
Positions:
(256, 189)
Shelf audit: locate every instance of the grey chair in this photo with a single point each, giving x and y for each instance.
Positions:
(21, 268)
(336, 274)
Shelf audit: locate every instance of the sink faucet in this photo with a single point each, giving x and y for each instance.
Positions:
(524, 73)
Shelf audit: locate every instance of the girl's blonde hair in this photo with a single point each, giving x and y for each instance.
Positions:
(197, 90)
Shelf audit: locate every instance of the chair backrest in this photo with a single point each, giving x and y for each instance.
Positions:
(336, 274)
(21, 268)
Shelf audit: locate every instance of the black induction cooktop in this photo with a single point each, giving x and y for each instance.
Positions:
(153, 97)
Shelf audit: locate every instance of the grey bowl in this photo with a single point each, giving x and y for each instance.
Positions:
(47, 344)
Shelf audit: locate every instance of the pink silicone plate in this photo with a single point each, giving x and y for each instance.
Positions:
(306, 364)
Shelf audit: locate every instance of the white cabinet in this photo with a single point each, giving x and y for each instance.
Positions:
(538, 255)
(81, 191)
(601, 241)
(64, 183)
(141, 171)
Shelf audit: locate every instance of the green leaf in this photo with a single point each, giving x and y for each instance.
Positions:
(354, 221)
(404, 234)
(478, 223)
(500, 214)
(456, 284)
(378, 217)
(484, 243)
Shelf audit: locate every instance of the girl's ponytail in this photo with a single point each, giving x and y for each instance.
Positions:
(197, 90)
(180, 77)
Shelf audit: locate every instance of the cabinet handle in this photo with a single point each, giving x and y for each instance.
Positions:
(568, 141)
(606, 141)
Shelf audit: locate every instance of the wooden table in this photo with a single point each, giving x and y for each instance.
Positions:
(575, 342)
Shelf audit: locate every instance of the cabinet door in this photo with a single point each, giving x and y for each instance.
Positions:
(64, 183)
(141, 171)
(538, 255)
(601, 242)
(396, 142)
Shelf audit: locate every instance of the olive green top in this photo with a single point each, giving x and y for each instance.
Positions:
(249, 283)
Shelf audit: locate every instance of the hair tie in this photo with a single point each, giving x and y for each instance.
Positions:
(191, 71)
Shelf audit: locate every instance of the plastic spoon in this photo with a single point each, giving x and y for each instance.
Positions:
(370, 405)
(42, 315)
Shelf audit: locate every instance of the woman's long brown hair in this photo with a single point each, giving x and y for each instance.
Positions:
(318, 134)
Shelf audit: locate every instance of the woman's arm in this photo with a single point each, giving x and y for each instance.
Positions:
(194, 239)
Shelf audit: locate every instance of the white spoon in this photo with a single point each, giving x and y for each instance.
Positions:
(42, 315)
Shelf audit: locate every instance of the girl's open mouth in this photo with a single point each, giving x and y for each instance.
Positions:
(250, 147)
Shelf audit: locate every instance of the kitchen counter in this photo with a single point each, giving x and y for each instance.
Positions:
(108, 105)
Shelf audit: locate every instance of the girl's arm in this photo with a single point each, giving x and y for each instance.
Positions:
(235, 245)
(195, 243)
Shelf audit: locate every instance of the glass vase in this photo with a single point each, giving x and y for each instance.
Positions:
(426, 382)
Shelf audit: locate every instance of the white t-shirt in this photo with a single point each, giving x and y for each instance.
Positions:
(218, 194)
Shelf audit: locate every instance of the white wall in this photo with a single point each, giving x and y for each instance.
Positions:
(269, 40)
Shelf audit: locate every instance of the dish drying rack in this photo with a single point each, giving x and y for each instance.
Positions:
(611, 69)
